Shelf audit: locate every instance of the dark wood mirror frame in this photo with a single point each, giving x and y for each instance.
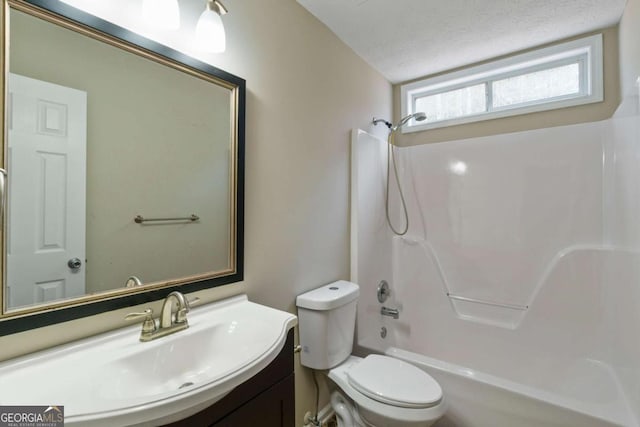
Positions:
(103, 30)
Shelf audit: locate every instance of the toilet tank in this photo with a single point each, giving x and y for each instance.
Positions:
(326, 322)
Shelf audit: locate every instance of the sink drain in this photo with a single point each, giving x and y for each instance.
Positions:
(185, 385)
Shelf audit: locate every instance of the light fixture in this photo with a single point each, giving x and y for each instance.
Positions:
(164, 14)
(210, 36)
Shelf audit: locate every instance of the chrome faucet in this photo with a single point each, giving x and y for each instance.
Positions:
(168, 323)
(391, 312)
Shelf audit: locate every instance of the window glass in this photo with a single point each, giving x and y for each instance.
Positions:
(559, 76)
(455, 103)
(545, 84)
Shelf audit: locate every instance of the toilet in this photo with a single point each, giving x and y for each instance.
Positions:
(377, 390)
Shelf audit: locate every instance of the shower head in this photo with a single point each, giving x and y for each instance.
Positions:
(415, 116)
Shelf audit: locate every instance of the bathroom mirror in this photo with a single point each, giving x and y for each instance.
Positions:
(124, 162)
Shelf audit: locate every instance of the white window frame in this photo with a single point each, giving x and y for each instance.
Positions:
(587, 52)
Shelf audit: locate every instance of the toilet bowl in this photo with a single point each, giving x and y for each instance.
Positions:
(381, 391)
(377, 390)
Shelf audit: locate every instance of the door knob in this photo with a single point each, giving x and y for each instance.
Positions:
(74, 263)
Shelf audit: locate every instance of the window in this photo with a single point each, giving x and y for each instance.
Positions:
(559, 76)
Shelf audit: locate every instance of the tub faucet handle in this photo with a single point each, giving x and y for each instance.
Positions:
(383, 291)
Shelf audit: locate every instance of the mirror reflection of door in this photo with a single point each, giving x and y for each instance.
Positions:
(46, 192)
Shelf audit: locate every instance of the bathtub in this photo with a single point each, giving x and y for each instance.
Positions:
(476, 399)
(523, 323)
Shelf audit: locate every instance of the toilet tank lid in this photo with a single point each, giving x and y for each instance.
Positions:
(330, 296)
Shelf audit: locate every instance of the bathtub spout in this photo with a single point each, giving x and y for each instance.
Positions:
(391, 312)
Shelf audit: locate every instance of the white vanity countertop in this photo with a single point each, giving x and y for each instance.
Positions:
(114, 379)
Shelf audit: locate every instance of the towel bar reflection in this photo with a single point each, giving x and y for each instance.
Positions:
(139, 219)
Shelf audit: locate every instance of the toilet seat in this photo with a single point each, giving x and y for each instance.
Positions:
(394, 382)
(376, 412)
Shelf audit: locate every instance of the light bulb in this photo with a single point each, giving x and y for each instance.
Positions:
(164, 14)
(210, 36)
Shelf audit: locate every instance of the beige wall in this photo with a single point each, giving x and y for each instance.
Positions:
(138, 162)
(544, 119)
(306, 90)
(630, 49)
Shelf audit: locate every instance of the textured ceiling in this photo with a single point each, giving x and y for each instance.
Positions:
(407, 39)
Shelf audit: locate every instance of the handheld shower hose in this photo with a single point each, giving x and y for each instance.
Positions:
(391, 161)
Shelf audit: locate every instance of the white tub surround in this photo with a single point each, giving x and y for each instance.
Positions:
(520, 264)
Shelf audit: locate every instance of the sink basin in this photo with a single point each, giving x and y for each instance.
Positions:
(113, 379)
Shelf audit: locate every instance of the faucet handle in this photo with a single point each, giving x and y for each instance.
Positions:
(134, 316)
(181, 315)
(149, 325)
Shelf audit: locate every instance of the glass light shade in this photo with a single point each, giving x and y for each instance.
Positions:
(210, 36)
(163, 14)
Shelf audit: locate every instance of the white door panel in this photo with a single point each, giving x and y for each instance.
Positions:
(47, 191)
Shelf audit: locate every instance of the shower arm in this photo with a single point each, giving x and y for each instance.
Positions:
(376, 121)
(420, 116)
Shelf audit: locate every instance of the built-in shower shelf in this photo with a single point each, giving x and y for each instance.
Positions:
(496, 313)
(487, 302)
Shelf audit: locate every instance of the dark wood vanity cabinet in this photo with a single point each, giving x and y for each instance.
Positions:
(266, 400)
